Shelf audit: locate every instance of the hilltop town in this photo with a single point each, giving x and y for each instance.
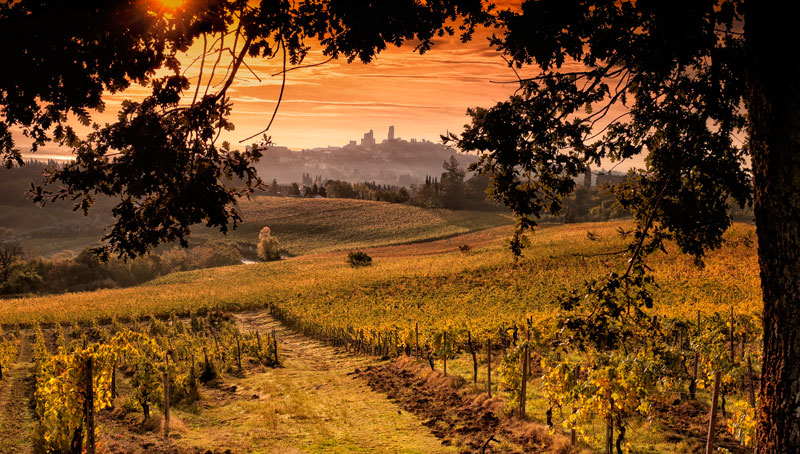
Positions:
(392, 161)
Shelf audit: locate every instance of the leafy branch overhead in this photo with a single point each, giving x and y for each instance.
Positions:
(162, 159)
(613, 81)
(610, 82)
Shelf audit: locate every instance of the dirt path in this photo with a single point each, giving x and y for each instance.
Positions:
(296, 350)
(16, 416)
(313, 403)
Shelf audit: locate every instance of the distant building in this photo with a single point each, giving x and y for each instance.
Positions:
(610, 178)
(369, 139)
(587, 178)
(391, 132)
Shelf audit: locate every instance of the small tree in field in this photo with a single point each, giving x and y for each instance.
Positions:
(358, 258)
(267, 246)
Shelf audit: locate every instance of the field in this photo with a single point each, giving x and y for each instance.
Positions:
(418, 298)
(302, 226)
(305, 226)
(429, 283)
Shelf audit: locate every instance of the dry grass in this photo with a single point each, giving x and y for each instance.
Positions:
(304, 226)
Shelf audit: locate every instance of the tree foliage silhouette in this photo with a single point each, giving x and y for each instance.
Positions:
(680, 84)
(162, 158)
(676, 82)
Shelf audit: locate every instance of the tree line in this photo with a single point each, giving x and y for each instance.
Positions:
(65, 273)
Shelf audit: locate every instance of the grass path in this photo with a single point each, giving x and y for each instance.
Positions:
(312, 404)
(16, 416)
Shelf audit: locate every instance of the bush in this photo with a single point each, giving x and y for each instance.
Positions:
(268, 248)
(359, 258)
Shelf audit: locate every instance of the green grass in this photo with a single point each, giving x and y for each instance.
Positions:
(304, 226)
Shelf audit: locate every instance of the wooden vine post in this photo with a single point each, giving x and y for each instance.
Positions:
(444, 352)
(693, 383)
(114, 394)
(416, 338)
(89, 406)
(238, 350)
(193, 380)
(573, 434)
(743, 345)
(523, 392)
(712, 423)
(275, 346)
(166, 396)
(489, 366)
(610, 429)
(733, 357)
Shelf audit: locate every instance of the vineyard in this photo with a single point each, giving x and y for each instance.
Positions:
(470, 312)
(162, 365)
(305, 226)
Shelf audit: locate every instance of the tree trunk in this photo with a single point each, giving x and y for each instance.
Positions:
(76, 444)
(774, 112)
(620, 436)
(474, 358)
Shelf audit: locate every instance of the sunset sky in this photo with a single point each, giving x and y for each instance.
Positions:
(423, 96)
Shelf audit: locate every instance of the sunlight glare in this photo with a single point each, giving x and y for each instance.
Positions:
(171, 4)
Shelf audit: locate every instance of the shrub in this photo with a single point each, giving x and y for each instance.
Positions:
(268, 248)
(358, 258)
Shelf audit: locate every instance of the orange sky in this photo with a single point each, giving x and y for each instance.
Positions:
(423, 96)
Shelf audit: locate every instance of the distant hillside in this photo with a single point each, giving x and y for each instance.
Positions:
(301, 225)
(50, 229)
(305, 226)
(392, 161)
